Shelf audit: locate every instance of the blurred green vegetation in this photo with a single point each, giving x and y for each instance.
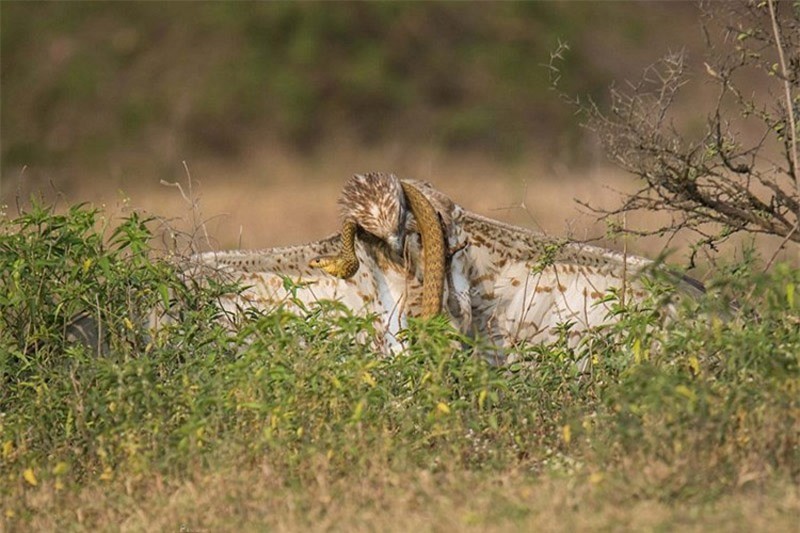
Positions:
(83, 81)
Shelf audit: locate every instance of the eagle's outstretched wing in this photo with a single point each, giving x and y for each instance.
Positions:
(523, 283)
(282, 277)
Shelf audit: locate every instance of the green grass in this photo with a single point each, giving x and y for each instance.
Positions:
(290, 421)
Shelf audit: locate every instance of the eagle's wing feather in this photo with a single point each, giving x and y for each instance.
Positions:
(263, 272)
(523, 283)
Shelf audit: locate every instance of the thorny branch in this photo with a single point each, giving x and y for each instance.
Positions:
(721, 181)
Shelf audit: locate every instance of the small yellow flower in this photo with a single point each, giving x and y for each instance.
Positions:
(566, 434)
(482, 398)
(367, 378)
(107, 474)
(694, 364)
(30, 477)
(60, 469)
(359, 410)
(443, 408)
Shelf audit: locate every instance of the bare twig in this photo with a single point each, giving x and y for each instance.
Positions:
(787, 90)
(787, 94)
(194, 205)
(714, 186)
(781, 245)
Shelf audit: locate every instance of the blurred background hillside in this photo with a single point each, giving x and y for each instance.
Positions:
(273, 105)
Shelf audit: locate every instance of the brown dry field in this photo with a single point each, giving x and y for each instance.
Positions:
(277, 198)
(257, 499)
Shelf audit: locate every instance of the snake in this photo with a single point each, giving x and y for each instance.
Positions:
(345, 264)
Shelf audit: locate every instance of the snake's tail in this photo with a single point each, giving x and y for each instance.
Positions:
(433, 250)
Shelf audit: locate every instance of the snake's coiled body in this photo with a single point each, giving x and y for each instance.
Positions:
(345, 264)
(433, 250)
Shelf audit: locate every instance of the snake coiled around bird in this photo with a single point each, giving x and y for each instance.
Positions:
(434, 252)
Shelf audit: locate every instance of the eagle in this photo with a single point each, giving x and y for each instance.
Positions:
(505, 284)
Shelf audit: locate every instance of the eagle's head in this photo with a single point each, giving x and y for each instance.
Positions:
(375, 200)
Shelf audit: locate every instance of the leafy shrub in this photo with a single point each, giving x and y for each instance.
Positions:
(694, 407)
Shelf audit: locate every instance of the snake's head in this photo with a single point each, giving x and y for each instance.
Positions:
(327, 263)
(333, 265)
